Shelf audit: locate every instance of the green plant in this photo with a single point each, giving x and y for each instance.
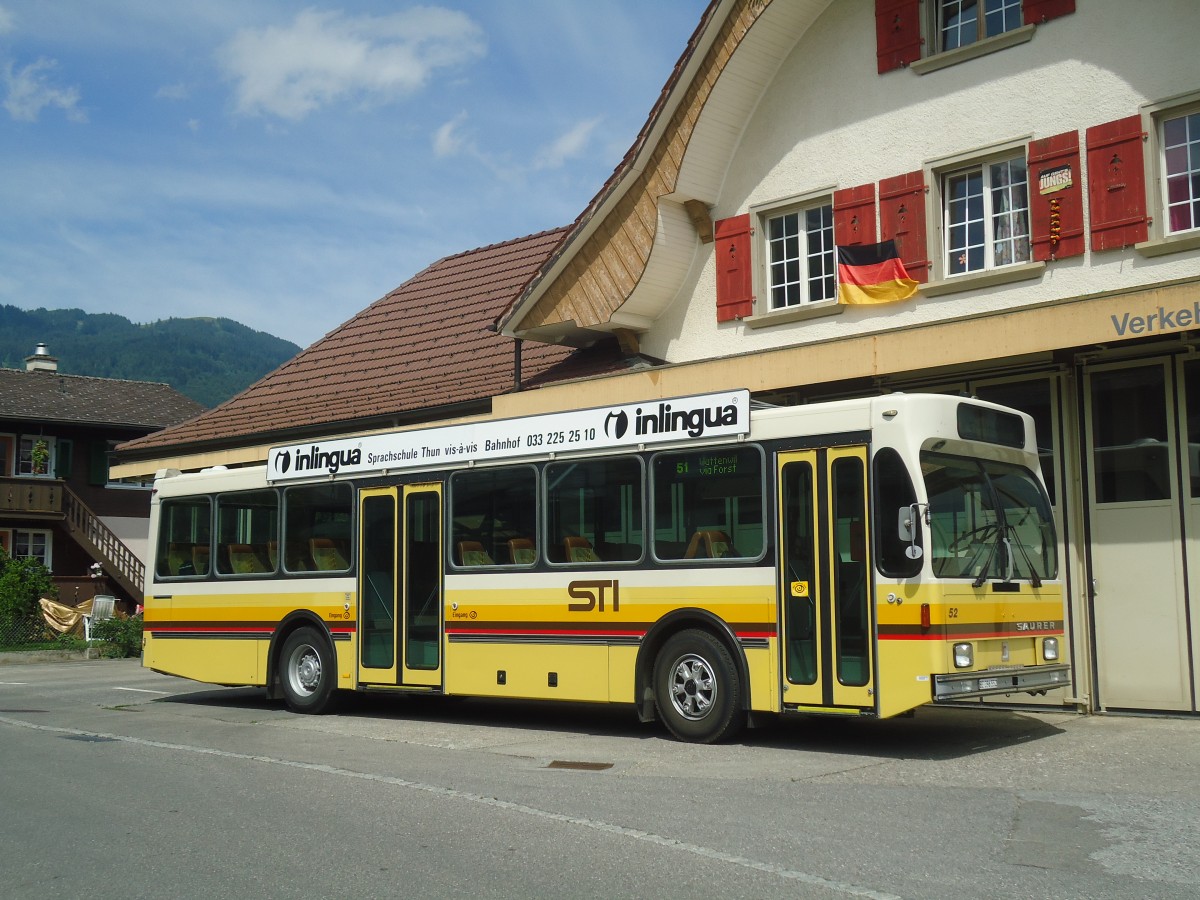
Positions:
(22, 582)
(39, 456)
(120, 636)
(69, 642)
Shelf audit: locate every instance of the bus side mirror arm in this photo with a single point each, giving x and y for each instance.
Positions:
(909, 528)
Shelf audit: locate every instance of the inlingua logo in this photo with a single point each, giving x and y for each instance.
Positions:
(616, 424)
(315, 459)
(283, 462)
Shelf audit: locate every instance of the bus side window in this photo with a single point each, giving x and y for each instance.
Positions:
(493, 516)
(594, 511)
(317, 528)
(708, 504)
(184, 529)
(893, 492)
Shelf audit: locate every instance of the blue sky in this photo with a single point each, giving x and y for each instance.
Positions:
(286, 164)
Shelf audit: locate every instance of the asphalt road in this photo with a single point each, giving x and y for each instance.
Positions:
(116, 782)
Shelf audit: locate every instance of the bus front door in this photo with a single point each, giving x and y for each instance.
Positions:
(827, 622)
(400, 586)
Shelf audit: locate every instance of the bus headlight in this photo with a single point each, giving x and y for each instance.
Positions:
(1050, 649)
(964, 656)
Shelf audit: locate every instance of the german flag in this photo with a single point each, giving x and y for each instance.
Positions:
(872, 273)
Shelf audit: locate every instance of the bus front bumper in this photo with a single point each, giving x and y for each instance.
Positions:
(1021, 680)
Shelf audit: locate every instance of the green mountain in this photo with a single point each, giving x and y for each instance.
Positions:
(208, 360)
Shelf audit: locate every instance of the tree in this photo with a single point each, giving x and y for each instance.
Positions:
(22, 582)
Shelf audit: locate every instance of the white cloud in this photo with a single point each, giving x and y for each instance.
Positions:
(6, 21)
(566, 146)
(28, 91)
(447, 141)
(323, 57)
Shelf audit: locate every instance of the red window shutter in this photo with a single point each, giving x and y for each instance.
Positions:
(897, 33)
(1056, 196)
(735, 282)
(902, 219)
(854, 215)
(1117, 184)
(1038, 11)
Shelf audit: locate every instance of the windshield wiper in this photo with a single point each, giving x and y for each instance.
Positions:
(1034, 579)
(987, 563)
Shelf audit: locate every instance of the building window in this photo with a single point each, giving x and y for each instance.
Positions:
(801, 265)
(986, 216)
(32, 544)
(36, 456)
(1181, 166)
(129, 481)
(962, 22)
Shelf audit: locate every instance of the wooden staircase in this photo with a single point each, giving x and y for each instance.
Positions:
(119, 562)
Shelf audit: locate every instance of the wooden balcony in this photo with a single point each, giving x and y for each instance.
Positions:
(38, 497)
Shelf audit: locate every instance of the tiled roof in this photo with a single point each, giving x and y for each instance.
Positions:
(428, 344)
(42, 396)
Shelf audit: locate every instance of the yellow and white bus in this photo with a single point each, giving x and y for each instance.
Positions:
(699, 560)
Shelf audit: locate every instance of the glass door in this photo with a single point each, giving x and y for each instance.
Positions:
(400, 586)
(1137, 558)
(828, 628)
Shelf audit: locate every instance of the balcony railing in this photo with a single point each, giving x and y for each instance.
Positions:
(35, 496)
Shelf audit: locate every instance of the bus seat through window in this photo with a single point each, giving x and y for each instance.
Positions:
(326, 555)
(521, 552)
(244, 559)
(200, 554)
(579, 549)
(471, 553)
(715, 544)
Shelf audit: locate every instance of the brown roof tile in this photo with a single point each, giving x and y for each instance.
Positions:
(51, 397)
(430, 343)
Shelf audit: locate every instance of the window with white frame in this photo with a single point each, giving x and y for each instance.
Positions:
(962, 22)
(35, 455)
(1181, 171)
(985, 216)
(801, 262)
(32, 544)
(129, 481)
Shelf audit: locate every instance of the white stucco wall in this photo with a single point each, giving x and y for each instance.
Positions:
(829, 120)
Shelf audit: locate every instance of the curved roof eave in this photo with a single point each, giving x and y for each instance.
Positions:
(623, 259)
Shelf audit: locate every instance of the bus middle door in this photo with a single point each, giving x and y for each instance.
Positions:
(400, 586)
(825, 581)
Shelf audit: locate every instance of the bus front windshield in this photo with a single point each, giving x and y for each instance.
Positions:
(989, 520)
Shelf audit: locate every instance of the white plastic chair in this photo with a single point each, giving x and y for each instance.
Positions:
(102, 608)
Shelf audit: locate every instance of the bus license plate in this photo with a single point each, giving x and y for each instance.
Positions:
(986, 684)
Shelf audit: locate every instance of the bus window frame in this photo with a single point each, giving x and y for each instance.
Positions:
(220, 500)
(544, 510)
(208, 498)
(450, 540)
(766, 509)
(352, 536)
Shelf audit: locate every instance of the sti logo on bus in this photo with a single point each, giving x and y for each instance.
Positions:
(665, 420)
(317, 461)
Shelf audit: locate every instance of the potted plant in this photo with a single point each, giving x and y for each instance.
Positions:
(39, 456)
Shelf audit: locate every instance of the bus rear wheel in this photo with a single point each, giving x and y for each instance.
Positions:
(697, 688)
(307, 672)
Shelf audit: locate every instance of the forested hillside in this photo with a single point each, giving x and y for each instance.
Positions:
(208, 360)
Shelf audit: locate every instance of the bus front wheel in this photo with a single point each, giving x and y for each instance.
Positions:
(307, 672)
(697, 689)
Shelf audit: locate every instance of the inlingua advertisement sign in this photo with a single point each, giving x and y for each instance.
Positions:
(699, 417)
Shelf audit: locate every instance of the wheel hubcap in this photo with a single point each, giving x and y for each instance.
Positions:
(305, 670)
(693, 687)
